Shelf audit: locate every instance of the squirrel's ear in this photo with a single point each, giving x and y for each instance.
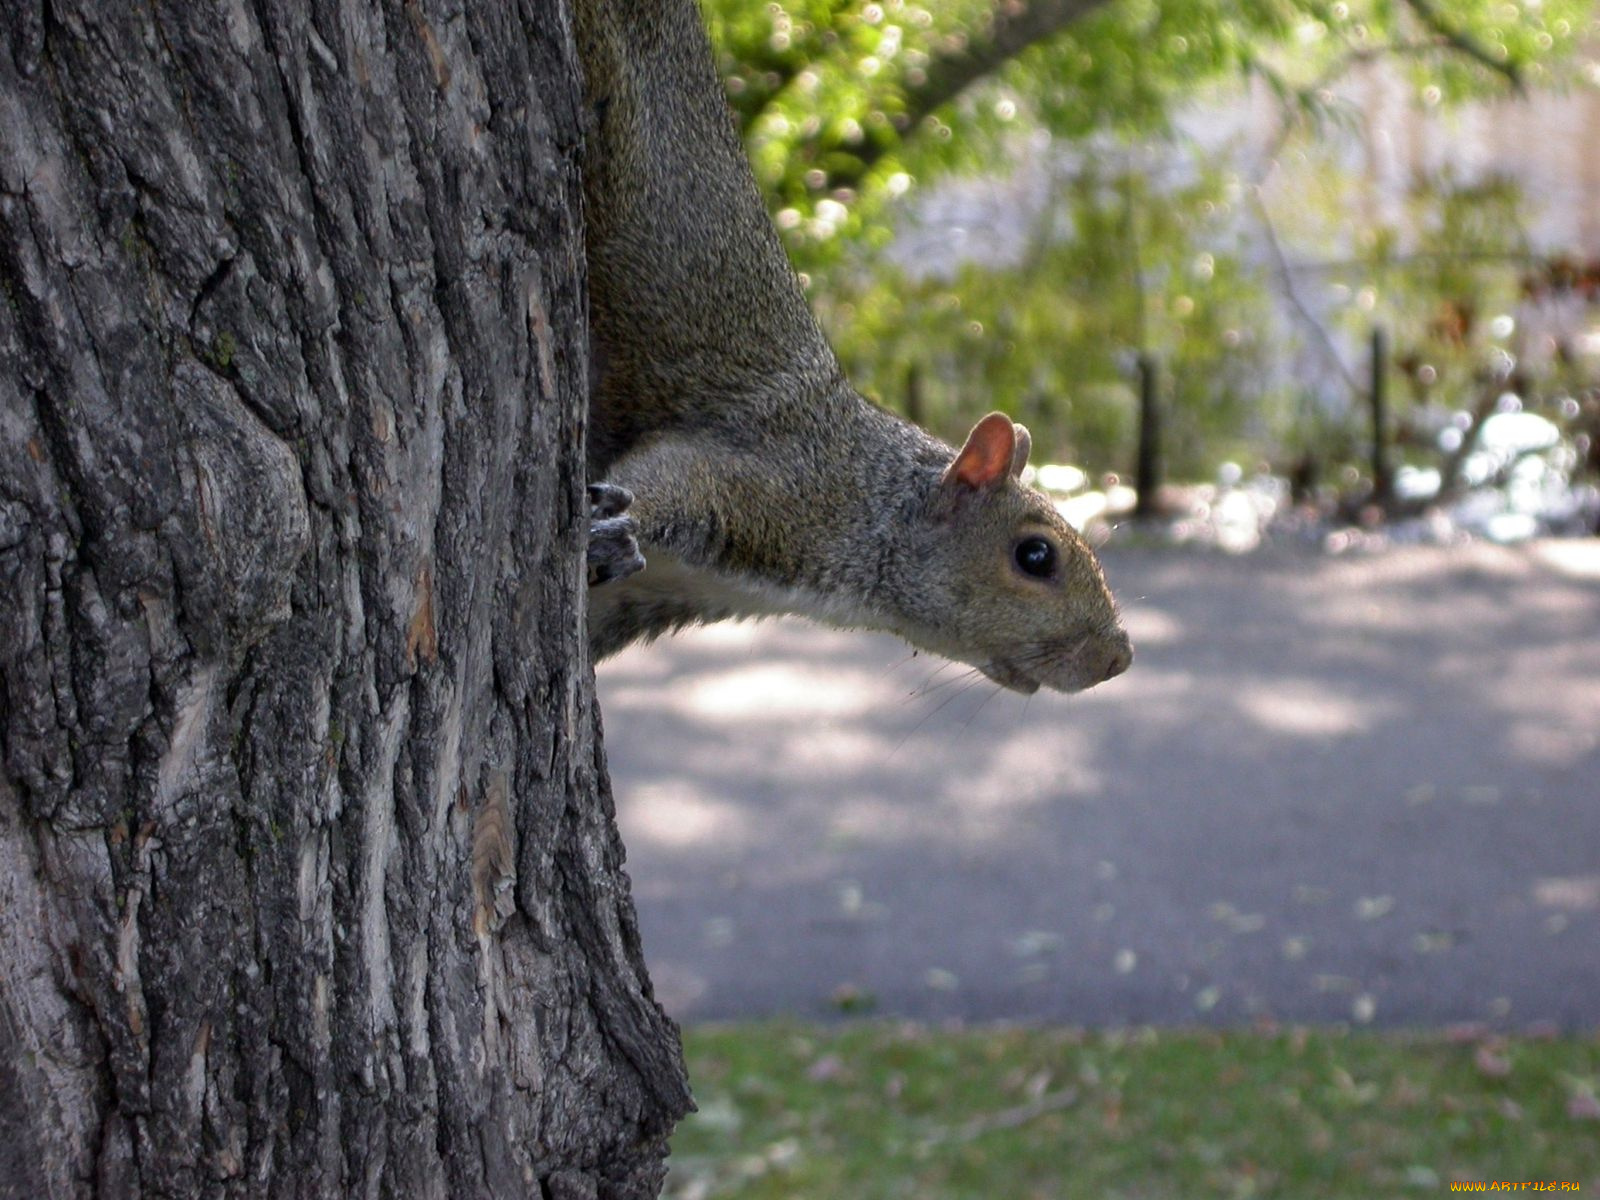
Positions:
(986, 458)
(1019, 456)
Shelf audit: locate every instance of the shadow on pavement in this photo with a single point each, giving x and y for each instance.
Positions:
(1362, 789)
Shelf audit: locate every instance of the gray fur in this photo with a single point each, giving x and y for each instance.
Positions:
(762, 481)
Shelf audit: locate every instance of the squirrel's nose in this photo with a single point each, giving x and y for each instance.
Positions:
(1119, 656)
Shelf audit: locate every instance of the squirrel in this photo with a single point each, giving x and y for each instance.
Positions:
(756, 480)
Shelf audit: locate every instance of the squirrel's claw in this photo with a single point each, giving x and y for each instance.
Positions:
(613, 544)
(607, 500)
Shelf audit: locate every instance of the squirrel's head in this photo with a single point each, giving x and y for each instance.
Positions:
(1020, 595)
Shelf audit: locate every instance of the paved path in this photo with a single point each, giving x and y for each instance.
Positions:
(1357, 789)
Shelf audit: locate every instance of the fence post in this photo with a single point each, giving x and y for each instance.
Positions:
(1147, 473)
(1378, 397)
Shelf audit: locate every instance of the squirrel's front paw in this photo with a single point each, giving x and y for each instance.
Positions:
(613, 547)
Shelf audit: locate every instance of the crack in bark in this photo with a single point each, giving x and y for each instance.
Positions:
(234, 695)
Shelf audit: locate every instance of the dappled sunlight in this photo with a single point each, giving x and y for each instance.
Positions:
(1574, 558)
(875, 819)
(837, 753)
(1572, 894)
(1566, 604)
(1539, 745)
(1017, 776)
(1149, 626)
(1349, 597)
(784, 745)
(636, 664)
(678, 813)
(759, 693)
(1306, 708)
(1350, 790)
(1550, 728)
(729, 636)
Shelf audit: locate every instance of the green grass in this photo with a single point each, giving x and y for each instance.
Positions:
(877, 1110)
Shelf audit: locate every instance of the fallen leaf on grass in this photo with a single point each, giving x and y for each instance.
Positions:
(1422, 1177)
(1583, 1106)
(1491, 1059)
(829, 1066)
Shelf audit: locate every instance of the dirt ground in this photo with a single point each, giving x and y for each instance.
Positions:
(1363, 788)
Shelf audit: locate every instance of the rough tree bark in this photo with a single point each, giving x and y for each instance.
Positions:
(309, 883)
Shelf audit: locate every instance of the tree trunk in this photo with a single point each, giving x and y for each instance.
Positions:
(309, 881)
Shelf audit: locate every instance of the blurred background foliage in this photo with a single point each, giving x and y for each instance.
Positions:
(1128, 222)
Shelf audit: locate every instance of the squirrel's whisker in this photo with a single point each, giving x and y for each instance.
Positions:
(977, 712)
(969, 678)
(928, 687)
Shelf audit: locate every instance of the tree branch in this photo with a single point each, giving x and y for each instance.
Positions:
(1421, 258)
(1461, 40)
(1322, 337)
(1016, 27)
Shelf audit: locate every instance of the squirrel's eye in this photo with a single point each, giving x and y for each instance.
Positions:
(1036, 557)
